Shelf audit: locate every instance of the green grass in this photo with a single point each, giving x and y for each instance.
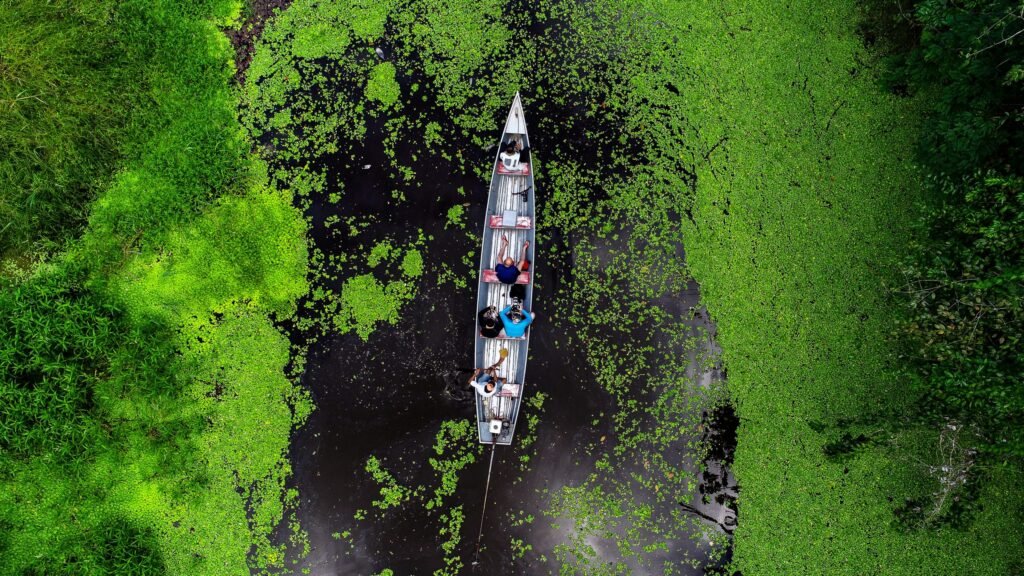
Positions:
(62, 117)
(147, 412)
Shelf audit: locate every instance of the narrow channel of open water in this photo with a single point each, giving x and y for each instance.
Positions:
(387, 397)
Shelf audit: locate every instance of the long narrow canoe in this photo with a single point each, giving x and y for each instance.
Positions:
(510, 212)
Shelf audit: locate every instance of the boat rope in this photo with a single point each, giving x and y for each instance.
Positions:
(483, 511)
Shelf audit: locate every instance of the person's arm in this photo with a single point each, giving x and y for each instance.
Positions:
(528, 319)
(472, 378)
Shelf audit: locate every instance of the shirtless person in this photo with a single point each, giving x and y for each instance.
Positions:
(507, 270)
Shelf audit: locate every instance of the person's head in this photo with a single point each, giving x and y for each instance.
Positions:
(510, 148)
(515, 314)
(509, 262)
(489, 386)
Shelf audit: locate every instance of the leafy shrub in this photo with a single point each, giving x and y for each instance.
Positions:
(965, 282)
(965, 293)
(970, 70)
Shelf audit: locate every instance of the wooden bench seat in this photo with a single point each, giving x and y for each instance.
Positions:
(522, 222)
(491, 277)
(524, 170)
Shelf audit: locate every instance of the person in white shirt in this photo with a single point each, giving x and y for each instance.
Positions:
(486, 380)
(511, 154)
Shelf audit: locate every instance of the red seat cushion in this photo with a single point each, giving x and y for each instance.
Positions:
(509, 391)
(491, 277)
(524, 222)
(524, 172)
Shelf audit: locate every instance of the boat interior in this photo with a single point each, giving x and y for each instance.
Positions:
(510, 214)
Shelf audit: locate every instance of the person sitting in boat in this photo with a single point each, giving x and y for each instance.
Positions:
(511, 154)
(486, 380)
(507, 270)
(490, 322)
(516, 319)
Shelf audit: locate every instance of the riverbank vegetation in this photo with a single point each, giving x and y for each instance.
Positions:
(145, 409)
(57, 159)
(802, 222)
(964, 282)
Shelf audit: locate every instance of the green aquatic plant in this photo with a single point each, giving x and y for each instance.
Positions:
(277, 106)
(382, 86)
(451, 41)
(412, 263)
(248, 248)
(366, 302)
(454, 450)
(455, 216)
(534, 404)
(452, 527)
(392, 493)
(519, 548)
(320, 40)
(367, 17)
(380, 252)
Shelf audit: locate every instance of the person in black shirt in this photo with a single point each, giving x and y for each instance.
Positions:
(490, 322)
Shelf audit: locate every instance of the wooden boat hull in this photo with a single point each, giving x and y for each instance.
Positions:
(506, 194)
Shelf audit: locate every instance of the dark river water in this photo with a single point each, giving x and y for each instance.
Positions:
(387, 397)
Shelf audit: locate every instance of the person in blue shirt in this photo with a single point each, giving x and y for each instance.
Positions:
(516, 320)
(506, 269)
